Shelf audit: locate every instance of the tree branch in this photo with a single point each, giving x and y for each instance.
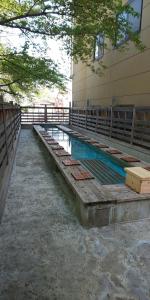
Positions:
(36, 31)
(9, 92)
(34, 15)
(10, 83)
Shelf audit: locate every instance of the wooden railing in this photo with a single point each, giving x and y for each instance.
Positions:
(129, 124)
(44, 114)
(10, 121)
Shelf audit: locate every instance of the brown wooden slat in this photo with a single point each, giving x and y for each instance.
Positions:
(9, 125)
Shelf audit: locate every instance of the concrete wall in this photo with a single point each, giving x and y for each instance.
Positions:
(127, 77)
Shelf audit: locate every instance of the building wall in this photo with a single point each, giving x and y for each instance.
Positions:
(126, 79)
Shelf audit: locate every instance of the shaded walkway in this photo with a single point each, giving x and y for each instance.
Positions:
(46, 254)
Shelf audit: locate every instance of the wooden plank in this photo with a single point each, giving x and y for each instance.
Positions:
(142, 136)
(141, 129)
(42, 107)
(142, 122)
(123, 109)
(141, 143)
(121, 131)
(121, 137)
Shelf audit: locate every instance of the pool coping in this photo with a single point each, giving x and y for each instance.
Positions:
(90, 192)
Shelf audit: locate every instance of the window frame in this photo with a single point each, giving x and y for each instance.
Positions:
(100, 47)
(141, 10)
(127, 38)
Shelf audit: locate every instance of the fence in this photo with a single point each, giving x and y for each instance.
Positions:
(44, 114)
(130, 124)
(9, 126)
(10, 122)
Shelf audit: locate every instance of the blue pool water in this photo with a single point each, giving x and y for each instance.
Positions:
(85, 152)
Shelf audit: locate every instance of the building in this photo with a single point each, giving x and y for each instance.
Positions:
(126, 81)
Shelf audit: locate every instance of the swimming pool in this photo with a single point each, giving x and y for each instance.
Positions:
(103, 166)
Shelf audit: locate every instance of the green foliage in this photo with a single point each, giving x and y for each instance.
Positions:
(22, 74)
(75, 22)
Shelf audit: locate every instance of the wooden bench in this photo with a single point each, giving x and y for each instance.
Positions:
(138, 179)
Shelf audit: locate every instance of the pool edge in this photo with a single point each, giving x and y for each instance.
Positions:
(102, 212)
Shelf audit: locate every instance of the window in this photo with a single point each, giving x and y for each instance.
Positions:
(99, 46)
(134, 22)
(121, 35)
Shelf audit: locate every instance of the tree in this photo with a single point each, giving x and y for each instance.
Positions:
(23, 74)
(75, 22)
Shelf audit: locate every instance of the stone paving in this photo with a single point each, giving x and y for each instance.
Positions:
(45, 254)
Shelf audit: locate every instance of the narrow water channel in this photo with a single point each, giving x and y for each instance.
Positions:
(105, 168)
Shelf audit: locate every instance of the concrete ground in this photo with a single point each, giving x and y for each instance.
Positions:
(45, 254)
